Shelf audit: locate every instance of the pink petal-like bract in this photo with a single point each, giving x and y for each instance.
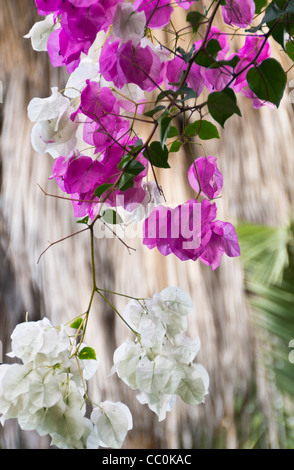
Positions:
(239, 13)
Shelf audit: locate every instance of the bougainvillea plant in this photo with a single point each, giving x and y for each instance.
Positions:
(120, 78)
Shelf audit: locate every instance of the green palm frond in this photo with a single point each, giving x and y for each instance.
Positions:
(274, 313)
(268, 259)
(264, 251)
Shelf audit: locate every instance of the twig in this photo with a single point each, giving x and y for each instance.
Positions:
(61, 240)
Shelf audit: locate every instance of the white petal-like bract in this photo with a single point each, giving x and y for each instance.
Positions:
(113, 421)
(41, 31)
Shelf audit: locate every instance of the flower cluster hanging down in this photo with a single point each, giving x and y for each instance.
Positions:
(113, 65)
(160, 363)
(47, 391)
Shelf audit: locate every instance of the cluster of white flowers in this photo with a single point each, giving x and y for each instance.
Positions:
(46, 392)
(54, 131)
(160, 362)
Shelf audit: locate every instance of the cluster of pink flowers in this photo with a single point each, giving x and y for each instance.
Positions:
(113, 64)
(80, 21)
(190, 230)
(79, 176)
(128, 57)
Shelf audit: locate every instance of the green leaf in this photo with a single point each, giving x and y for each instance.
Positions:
(284, 13)
(175, 146)
(85, 220)
(126, 158)
(126, 182)
(278, 33)
(165, 124)
(290, 49)
(102, 189)
(137, 144)
(186, 55)
(77, 324)
(268, 81)
(164, 94)
(290, 7)
(87, 353)
(207, 57)
(186, 93)
(173, 109)
(176, 84)
(213, 47)
(134, 150)
(173, 132)
(272, 13)
(157, 155)
(133, 168)
(195, 19)
(204, 129)
(285, 5)
(229, 63)
(222, 105)
(154, 111)
(111, 217)
(259, 5)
